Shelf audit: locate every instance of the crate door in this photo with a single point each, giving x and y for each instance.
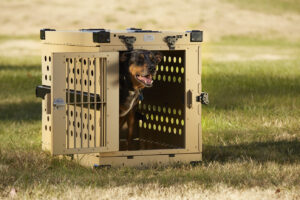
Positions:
(85, 103)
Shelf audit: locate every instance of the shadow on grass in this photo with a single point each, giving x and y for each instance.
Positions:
(21, 111)
(280, 152)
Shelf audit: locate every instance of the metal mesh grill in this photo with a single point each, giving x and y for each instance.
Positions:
(86, 102)
(163, 125)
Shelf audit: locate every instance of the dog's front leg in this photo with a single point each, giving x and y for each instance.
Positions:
(132, 128)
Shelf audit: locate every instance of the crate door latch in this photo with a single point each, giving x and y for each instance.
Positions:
(59, 103)
(171, 40)
(128, 41)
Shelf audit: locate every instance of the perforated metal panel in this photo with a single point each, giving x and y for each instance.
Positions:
(80, 108)
(163, 106)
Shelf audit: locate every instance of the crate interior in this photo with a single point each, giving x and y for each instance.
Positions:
(162, 125)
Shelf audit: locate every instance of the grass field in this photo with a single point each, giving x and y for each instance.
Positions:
(251, 128)
(251, 134)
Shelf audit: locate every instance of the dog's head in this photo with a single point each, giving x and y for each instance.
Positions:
(141, 66)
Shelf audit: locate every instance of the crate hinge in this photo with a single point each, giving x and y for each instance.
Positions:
(128, 41)
(171, 40)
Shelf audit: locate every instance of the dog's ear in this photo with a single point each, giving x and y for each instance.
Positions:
(158, 57)
(124, 56)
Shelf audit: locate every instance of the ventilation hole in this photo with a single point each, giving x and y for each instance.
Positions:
(164, 109)
(159, 128)
(149, 107)
(169, 78)
(92, 127)
(182, 70)
(90, 137)
(82, 125)
(71, 133)
(145, 125)
(167, 68)
(161, 119)
(45, 58)
(74, 123)
(140, 106)
(151, 117)
(169, 110)
(73, 70)
(154, 78)
(169, 129)
(154, 127)
(90, 83)
(164, 78)
(159, 77)
(164, 129)
(174, 59)
(144, 106)
(47, 67)
(179, 59)
(49, 128)
(78, 124)
(85, 82)
(165, 58)
(83, 71)
(92, 72)
(94, 62)
(90, 117)
(169, 59)
(172, 69)
(85, 136)
(182, 122)
(156, 118)
(179, 112)
(48, 118)
(45, 77)
(162, 68)
(159, 109)
(154, 108)
(179, 132)
(67, 59)
(147, 116)
(167, 120)
(172, 120)
(177, 121)
(49, 58)
(85, 115)
(140, 123)
(77, 71)
(149, 126)
(71, 80)
(71, 60)
(179, 79)
(84, 61)
(45, 127)
(174, 79)
(156, 67)
(174, 130)
(174, 111)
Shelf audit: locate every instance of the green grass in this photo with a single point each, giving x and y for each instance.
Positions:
(269, 6)
(250, 133)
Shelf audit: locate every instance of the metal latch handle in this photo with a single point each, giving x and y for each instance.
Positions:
(203, 98)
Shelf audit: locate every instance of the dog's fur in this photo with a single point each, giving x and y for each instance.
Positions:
(137, 68)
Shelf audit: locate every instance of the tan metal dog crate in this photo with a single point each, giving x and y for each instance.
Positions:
(80, 91)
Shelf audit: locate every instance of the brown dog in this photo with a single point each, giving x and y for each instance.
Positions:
(137, 69)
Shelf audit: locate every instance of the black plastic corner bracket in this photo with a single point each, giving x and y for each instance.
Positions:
(128, 41)
(196, 36)
(43, 32)
(171, 40)
(203, 98)
(101, 36)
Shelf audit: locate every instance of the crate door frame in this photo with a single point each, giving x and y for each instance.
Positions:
(107, 63)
